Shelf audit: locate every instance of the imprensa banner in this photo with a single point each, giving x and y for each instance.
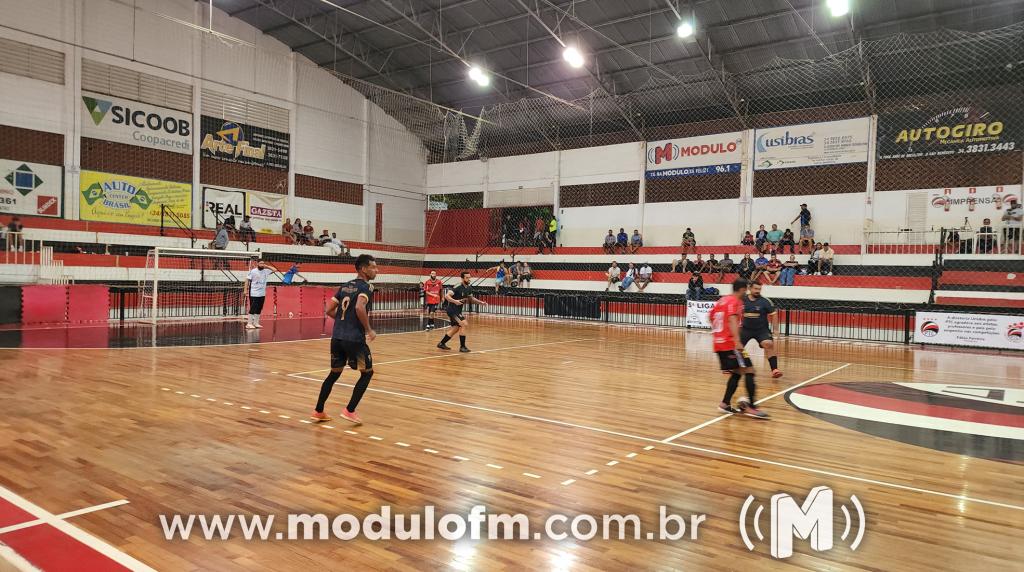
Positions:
(30, 188)
(133, 200)
(698, 313)
(974, 330)
(705, 155)
(125, 121)
(953, 131)
(265, 210)
(241, 143)
(812, 144)
(948, 207)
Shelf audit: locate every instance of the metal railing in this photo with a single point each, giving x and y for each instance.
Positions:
(959, 240)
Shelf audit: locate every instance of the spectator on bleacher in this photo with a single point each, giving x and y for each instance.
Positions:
(804, 217)
(220, 238)
(814, 262)
(825, 261)
(695, 287)
(986, 237)
(307, 232)
(622, 240)
(14, 234)
(724, 267)
(711, 265)
(552, 233)
(324, 238)
(760, 237)
(746, 268)
(229, 223)
(772, 270)
(628, 278)
(789, 270)
(525, 274)
(500, 272)
(760, 265)
(806, 239)
(700, 265)
(613, 275)
(953, 241)
(538, 228)
(646, 275)
(513, 275)
(245, 231)
(1012, 218)
(683, 264)
(635, 241)
(287, 232)
(297, 230)
(747, 240)
(689, 241)
(609, 242)
(787, 239)
(775, 237)
(546, 240)
(338, 247)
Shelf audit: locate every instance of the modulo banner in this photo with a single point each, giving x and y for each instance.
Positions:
(265, 210)
(974, 330)
(30, 188)
(812, 144)
(705, 155)
(952, 131)
(125, 121)
(133, 200)
(240, 143)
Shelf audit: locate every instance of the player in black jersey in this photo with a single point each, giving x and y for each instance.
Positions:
(759, 320)
(350, 307)
(456, 297)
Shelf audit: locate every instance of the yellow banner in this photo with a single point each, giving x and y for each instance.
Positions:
(132, 200)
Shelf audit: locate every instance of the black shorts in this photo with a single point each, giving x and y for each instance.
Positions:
(760, 335)
(733, 359)
(454, 314)
(1011, 233)
(256, 304)
(430, 307)
(354, 354)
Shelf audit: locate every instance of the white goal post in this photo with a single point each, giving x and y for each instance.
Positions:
(194, 283)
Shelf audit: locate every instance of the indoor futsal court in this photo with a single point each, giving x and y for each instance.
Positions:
(501, 285)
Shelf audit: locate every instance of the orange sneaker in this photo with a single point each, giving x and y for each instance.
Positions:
(319, 416)
(776, 373)
(351, 416)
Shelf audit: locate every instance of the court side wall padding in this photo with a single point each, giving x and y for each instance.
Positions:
(88, 303)
(44, 304)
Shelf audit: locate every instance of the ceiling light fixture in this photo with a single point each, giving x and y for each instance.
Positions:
(573, 56)
(838, 7)
(479, 76)
(685, 30)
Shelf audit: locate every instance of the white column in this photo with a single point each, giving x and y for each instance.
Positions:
(869, 188)
(73, 112)
(486, 182)
(746, 183)
(368, 209)
(293, 124)
(642, 149)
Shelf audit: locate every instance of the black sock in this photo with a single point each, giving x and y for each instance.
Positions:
(462, 341)
(445, 339)
(359, 390)
(750, 387)
(430, 320)
(730, 388)
(325, 390)
(774, 362)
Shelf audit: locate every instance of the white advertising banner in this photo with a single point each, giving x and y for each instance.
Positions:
(812, 144)
(30, 188)
(707, 155)
(698, 313)
(222, 203)
(949, 207)
(125, 121)
(266, 211)
(974, 330)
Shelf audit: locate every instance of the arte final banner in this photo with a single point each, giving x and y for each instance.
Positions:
(240, 143)
(952, 131)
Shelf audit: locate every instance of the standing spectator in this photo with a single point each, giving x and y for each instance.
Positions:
(256, 289)
(1012, 218)
(760, 237)
(806, 239)
(789, 270)
(525, 274)
(552, 233)
(682, 264)
(288, 232)
(827, 254)
(772, 270)
(700, 265)
(220, 238)
(307, 232)
(646, 275)
(814, 262)
(538, 231)
(15, 242)
(804, 216)
(613, 275)
(695, 288)
(746, 269)
(724, 267)
(760, 266)
(628, 278)
(689, 241)
(609, 242)
(747, 240)
(787, 239)
(500, 272)
(245, 232)
(635, 242)
(986, 237)
(622, 240)
(775, 237)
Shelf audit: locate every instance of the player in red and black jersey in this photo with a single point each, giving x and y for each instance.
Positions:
(456, 298)
(431, 297)
(725, 330)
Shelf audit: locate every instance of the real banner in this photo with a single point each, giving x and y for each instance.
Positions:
(812, 144)
(218, 204)
(698, 313)
(126, 121)
(706, 155)
(31, 188)
(954, 131)
(265, 210)
(133, 200)
(241, 143)
(974, 330)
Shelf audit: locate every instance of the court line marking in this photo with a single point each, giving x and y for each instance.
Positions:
(714, 420)
(74, 532)
(713, 452)
(63, 516)
(8, 555)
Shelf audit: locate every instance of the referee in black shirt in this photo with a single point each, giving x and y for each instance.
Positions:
(759, 318)
(456, 298)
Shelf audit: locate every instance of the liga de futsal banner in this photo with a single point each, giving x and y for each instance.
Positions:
(698, 313)
(974, 330)
(959, 130)
(707, 155)
(812, 144)
(30, 188)
(105, 197)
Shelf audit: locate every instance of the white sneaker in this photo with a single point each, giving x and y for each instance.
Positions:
(250, 327)
(830, 274)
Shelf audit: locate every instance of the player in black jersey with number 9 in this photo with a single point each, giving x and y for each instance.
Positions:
(350, 307)
(759, 320)
(456, 298)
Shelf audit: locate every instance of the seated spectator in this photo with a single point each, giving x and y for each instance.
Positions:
(646, 275)
(827, 254)
(775, 237)
(324, 238)
(513, 275)
(724, 267)
(695, 288)
(772, 270)
(787, 239)
(747, 240)
(15, 241)
(622, 241)
(337, 247)
(814, 262)
(689, 241)
(635, 242)
(609, 242)
(525, 275)
(288, 232)
(953, 241)
(683, 264)
(613, 274)
(712, 265)
(746, 268)
(628, 278)
(789, 270)
(701, 265)
(229, 223)
(806, 239)
(986, 237)
(300, 238)
(307, 232)
(760, 265)
(760, 237)
(538, 230)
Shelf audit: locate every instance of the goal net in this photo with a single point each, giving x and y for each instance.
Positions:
(190, 283)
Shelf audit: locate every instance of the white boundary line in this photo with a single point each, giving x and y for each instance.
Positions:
(713, 452)
(78, 534)
(63, 516)
(758, 402)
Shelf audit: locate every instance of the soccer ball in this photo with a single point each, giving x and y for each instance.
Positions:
(291, 314)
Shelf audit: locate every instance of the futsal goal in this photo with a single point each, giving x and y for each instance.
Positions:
(193, 283)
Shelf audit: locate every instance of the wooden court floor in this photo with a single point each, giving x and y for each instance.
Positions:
(543, 417)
